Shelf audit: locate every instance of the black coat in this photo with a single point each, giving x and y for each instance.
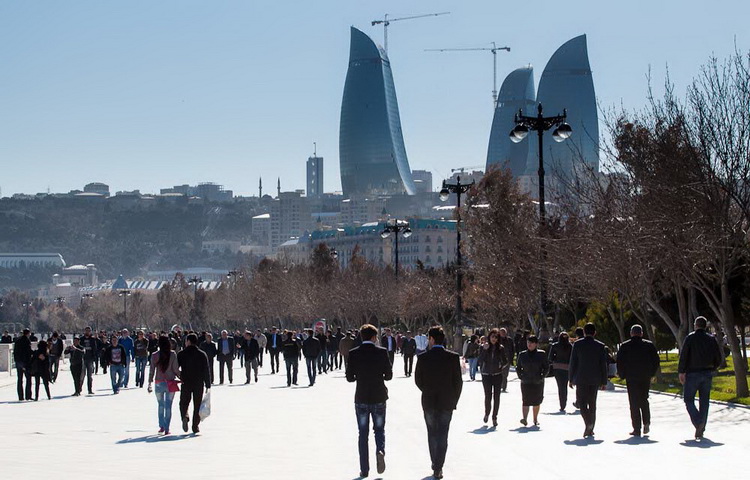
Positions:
(588, 362)
(194, 370)
(311, 347)
(438, 376)
(91, 346)
(107, 356)
(76, 354)
(290, 349)
(40, 364)
(510, 348)
(220, 347)
(409, 346)
(637, 360)
(22, 350)
(269, 343)
(699, 353)
(532, 366)
(209, 348)
(251, 348)
(492, 360)
(384, 343)
(370, 367)
(560, 353)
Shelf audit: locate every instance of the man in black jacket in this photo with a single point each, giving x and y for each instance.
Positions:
(700, 358)
(273, 345)
(194, 375)
(588, 373)
(90, 345)
(209, 348)
(369, 366)
(225, 353)
(292, 351)
(438, 376)
(311, 351)
(250, 348)
(22, 356)
(388, 341)
(56, 347)
(76, 353)
(637, 363)
(408, 350)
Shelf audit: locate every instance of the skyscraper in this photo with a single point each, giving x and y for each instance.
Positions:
(516, 93)
(372, 155)
(567, 83)
(314, 176)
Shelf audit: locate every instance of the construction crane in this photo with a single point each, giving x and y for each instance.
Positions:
(494, 51)
(387, 21)
(463, 169)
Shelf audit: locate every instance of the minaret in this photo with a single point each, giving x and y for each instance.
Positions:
(278, 187)
(260, 187)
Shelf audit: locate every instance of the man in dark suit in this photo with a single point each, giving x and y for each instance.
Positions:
(388, 341)
(408, 350)
(273, 345)
(438, 376)
(369, 366)
(637, 363)
(22, 354)
(194, 374)
(225, 353)
(209, 348)
(588, 373)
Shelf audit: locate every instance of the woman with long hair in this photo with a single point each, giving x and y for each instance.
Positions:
(559, 357)
(40, 369)
(493, 359)
(165, 370)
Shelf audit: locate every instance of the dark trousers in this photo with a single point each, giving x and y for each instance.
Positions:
(260, 358)
(76, 370)
(391, 356)
(323, 362)
(697, 383)
(211, 368)
(241, 355)
(492, 386)
(140, 371)
(23, 371)
(504, 383)
(310, 363)
(364, 411)
(38, 379)
(586, 399)
(408, 364)
(561, 377)
(292, 368)
(438, 422)
(638, 398)
(194, 393)
(90, 365)
(273, 353)
(54, 367)
(225, 360)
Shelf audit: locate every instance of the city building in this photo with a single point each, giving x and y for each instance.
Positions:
(422, 180)
(77, 276)
(205, 274)
(290, 217)
(372, 155)
(207, 191)
(516, 94)
(360, 210)
(260, 229)
(25, 260)
(221, 246)
(96, 187)
(314, 176)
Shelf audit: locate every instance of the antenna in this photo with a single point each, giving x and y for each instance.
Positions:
(315, 149)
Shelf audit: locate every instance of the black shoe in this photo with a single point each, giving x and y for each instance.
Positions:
(380, 462)
(524, 422)
(486, 417)
(699, 431)
(438, 474)
(635, 433)
(185, 424)
(248, 381)
(494, 421)
(363, 474)
(646, 428)
(196, 429)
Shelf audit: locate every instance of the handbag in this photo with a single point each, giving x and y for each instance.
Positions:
(173, 386)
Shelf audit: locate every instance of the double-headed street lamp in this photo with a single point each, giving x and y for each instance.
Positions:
(396, 227)
(60, 301)
(563, 131)
(334, 253)
(232, 274)
(459, 189)
(125, 293)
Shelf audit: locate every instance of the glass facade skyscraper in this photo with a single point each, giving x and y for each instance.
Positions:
(372, 155)
(516, 93)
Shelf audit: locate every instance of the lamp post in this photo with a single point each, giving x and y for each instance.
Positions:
(232, 274)
(563, 131)
(26, 306)
(459, 189)
(125, 294)
(396, 227)
(60, 301)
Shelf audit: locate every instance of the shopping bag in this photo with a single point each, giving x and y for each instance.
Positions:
(205, 409)
(464, 368)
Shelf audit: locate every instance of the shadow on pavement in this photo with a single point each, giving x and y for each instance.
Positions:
(484, 429)
(636, 441)
(155, 438)
(704, 443)
(583, 442)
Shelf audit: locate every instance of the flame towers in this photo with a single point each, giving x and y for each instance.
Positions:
(372, 154)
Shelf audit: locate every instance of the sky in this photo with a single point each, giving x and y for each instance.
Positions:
(147, 95)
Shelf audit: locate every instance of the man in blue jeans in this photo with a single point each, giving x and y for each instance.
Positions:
(127, 343)
(370, 367)
(700, 358)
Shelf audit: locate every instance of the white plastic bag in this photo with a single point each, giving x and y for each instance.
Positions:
(205, 409)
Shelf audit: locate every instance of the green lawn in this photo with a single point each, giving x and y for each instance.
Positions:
(723, 385)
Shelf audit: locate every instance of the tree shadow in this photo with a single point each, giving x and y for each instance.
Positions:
(483, 430)
(636, 441)
(155, 438)
(583, 442)
(703, 443)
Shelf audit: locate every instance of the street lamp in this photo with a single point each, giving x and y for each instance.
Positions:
(125, 294)
(232, 274)
(396, 227)
(60, 301)
(26, 306)
(563, 131)
(459, 189)
(334, 253)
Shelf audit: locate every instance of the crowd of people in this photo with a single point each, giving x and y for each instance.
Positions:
(367, 356)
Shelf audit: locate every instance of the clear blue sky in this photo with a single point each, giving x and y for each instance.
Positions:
(149, 94)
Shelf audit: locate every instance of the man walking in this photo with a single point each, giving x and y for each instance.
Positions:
(140, 349)
(345, 346)
(408, 350)
(194, 375)
(369, 366)
(438, 376)
(56, 347)
(292, 353)
(226, 355)
(209, 348)
(588, 373)
(90, 345)
(637, 363)
(700, 358)
(76, 352)
(389, 343)
(274, 348)
(22, 354)
(127, 343)
(250, 348)
(311, 351)
(262, 341)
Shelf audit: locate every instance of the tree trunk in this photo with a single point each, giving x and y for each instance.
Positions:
(618, 321)
(727, 319)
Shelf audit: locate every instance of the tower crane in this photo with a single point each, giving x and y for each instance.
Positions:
(463, 169)
(387, 21)
(494, 51)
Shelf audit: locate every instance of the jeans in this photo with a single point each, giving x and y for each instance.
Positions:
(700, 383)
(438, 422)
(23, 371)
(140, 370)
(322, 362)
(364, 411)
(90, 365)
(194, 393)
(292, 367)
(473, 363)
(164, 399)
(586, 399)
(54, 367)
(491, 384)
(116, 374)
(561, 377)
(126, 372)
(638, 399)
(310, 363)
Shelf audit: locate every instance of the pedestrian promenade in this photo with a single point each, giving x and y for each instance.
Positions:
(267, 430)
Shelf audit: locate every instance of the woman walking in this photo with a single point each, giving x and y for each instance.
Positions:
(559, 357)
(40, 369)
(164, 370)
(493, 359)
(532, 369)
(472, 356)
